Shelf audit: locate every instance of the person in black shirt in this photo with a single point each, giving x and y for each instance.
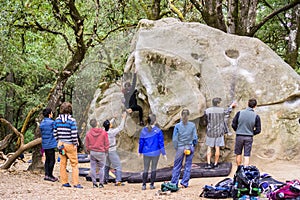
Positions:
(130, 93)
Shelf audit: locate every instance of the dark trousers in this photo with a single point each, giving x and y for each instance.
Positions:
(138, 108)
(49, 162)
(154, 161)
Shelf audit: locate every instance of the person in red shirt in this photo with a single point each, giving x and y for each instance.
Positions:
(97, 145)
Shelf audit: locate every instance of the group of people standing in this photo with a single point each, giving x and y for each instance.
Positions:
(63, 134)
(246, 123)
(100, 143)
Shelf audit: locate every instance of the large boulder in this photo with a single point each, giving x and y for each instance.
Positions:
(185, 65)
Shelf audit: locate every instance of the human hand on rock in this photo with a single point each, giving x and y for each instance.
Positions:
(233, 104)
(124, 114)
(129, 110)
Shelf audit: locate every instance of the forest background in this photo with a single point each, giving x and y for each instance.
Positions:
(63, 50)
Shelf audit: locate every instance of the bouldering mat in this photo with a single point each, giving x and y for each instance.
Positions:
(165, 174)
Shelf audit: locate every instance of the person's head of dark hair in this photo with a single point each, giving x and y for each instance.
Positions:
(151, 121)
(93, 123)
(127, 85)
(106, 125)
(216, 101)
(184, 115)
(47, 112)
(252, 103)
(65, 108)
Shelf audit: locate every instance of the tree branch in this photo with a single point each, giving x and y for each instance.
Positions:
(176, 10)
(29, 115)
(52, 70)
(96, 20)
(57, 14)
(282, 22)
(38, 27)
(11, 127)
(4, 143)
(4, 77)
(197, 5)
(270, 16)
(99, 40)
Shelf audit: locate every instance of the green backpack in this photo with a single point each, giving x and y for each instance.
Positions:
(168, 186)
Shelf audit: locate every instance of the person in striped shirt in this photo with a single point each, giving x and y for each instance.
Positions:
(216, 119)
(65, 133)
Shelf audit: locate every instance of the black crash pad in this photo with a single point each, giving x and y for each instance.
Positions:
(83, 158)
(165, 174)
(125, 176)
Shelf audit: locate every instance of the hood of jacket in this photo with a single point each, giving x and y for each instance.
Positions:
(96, 131)
(64, 117)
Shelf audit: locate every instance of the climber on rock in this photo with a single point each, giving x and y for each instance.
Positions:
(130, 93)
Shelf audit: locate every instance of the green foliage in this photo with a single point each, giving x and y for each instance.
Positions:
(29, 136)
(274, 31)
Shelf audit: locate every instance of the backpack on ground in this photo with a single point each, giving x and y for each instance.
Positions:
(221, 190)
(246, 182)
(168, 186)
(268, 184)
(289, 190)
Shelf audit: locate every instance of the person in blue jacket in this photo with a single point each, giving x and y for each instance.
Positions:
(184, 140)
(48, 143)
(151, 145)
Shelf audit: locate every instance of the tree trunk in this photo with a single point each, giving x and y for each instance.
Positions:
(232, 16)
(247, 16)
(36, 161)
(70, 68)
(155, 10)
(294, 38)
(9, 111)
(213, 15)
(22, 148)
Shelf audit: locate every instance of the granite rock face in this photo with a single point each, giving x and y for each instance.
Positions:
(185, 65)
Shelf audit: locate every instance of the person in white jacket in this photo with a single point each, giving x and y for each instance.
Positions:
(113, 159)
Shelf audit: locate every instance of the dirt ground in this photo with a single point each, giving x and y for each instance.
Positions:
(21, 184)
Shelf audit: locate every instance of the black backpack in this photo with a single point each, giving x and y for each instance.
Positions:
(246, 182)
(222, 190)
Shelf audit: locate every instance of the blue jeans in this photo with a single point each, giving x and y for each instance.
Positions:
(178, 165)
(97, 160)
(113, 160)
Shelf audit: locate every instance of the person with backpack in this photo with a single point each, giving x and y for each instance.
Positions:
(184, 140)
(112, 158)
(246, 123)
(48, 143)
(130, 93)
(65, 133)
(97, 144)
(151, 145)
(216, 120)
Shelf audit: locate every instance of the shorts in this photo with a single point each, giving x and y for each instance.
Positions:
(215, 142)
(243, 142)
